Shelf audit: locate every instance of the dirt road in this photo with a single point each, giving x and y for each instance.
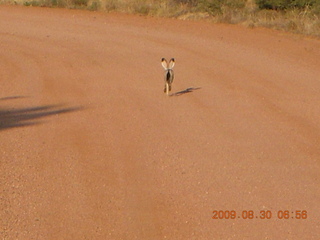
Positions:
(91, 147)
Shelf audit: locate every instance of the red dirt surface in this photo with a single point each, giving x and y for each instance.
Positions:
(91, 147)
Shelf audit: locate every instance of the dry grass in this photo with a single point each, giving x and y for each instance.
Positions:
(293, 21)
(303, 21)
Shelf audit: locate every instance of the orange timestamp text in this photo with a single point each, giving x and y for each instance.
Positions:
(263, 214)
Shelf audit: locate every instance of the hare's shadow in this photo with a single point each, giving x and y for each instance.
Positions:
(187, 90)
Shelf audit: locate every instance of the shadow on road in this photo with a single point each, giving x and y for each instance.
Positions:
(21, 117)
(188, 90)
(12, 98)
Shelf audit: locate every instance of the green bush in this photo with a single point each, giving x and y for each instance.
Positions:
(80, 2)
(214, 7)
(111, 5)
(95, 6)
(285, 4)
(191, 3)
(302, 3)
(31, 3)
(316, 9)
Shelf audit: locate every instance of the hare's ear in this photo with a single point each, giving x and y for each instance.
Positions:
(164, 63)
(171, 63)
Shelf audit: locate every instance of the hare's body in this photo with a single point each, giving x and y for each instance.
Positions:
(168, 79)
(168, 74)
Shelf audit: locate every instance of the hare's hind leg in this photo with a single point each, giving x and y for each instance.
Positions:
(167, 88)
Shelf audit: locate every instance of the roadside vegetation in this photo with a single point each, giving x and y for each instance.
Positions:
(298, 16)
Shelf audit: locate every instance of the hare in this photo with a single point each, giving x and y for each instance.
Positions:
(168, 74)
